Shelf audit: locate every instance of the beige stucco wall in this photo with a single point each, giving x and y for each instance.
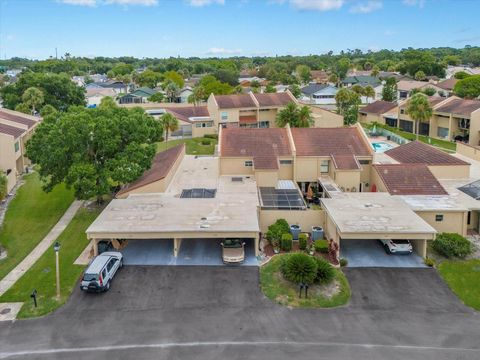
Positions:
(347, 179)
(468, 151)
(201, 131)
(326, 119)
(267, 178)
(269, 116)
(305, 218)
(285, 171)
(307, 168)
(8, 159)
(474, 138)
(453, 222)
(377, 180)
(371, 118)
(235, 166)
(450, 171)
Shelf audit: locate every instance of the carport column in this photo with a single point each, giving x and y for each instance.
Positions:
(95, 247)
(177, 242)
(257, 244)
(422, 248)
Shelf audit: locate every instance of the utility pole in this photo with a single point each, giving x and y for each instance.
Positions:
(56, 54)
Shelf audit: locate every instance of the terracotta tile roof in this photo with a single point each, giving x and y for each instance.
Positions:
(247, 119)
(459, 107)
(416, 152)
(254, 142)
(275, 99)
(378, 107)
(447, 84)
(18, 118)
(345, 162)
(235, 101)
(433, 100)
(184, 113)
(409, 179)
(328, 141)
(408, 85)
(11, 130)
(265, 162)
(161, 165)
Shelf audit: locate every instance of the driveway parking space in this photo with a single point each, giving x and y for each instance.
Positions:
(192, 252)
(370, 253)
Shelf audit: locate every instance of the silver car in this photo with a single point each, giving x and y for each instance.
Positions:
(233, 251)
(100, 272)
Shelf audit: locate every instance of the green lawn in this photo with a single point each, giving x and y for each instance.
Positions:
(41, 275)
(30, 216)
(463, 277)
(286, 293)
(194, 145)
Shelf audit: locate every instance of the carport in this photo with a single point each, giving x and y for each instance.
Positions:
(356, 221)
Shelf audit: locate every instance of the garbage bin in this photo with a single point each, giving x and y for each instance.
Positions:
(295, 231)
(317, 233)
(388, 137)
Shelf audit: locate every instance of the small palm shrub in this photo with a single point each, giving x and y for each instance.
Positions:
(299, 268)
(286, 242)
(211, 136)
(325, 271)
(205, 142)
(429, 262)
(302, 241)
(452, 245)
(343, 262)
(321, 246)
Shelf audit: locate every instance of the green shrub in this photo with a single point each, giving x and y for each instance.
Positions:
(211, 136)
(452, 245)
(283, 225)
(205, 142)
(343, 262)
(321, 246)
(429, 262)
(3, 186)
(276, 230)
(299, 268)
(286, 242)
(302, 241)
(325, 271)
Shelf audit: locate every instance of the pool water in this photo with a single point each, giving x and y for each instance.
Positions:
(381, 147)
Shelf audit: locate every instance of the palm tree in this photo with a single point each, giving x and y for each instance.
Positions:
(197, 95)
(419, 109)
(305, 118)
(369, 92)
(171, 89)
(169, 123)
(288, 115)
(33, 98)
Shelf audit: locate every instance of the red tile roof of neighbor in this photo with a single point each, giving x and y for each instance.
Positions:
(409, 179)
(254, 142)
(328, 141)
(18, 118)
(235, 101)
(460, 107)
(274, 99)
(345, 162)
(447, 84)
(378, 107)
(11, 130)
(416, 152)
(265, 162)
(162, 163)
(184, 113)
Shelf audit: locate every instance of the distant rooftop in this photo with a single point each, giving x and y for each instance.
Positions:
(235, 101)
(459, 107)
(18, 117)
(417, 152)
(378, 107)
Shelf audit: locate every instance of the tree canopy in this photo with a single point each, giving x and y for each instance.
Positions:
(295, 116)
(419, 109)
(94, 151)
(468, 87)
(348, 102)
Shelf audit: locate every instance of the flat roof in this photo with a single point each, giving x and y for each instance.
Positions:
(375, 213)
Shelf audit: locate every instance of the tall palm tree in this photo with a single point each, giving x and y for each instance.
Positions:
(169, 124)
(288, 115)
(171, 89)
(305, 118)
(33, 98)
(419, 109)
(368, 92)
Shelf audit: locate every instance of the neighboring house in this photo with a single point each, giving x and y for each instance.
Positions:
(184, 94)
(405, 123)
(447, 86)
(96, 78)
(13, 72)
(382, 112)
(319, 94)
(15, 130)
(452, 70)
(95, 95)
(139, 96)
(405, 88)
(365, 81)
(194, 121)
(246, 81)
(118, 86)
(319, 76)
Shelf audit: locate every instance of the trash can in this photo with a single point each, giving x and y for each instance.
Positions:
(317, 233)
(388, 137)
(295, 231)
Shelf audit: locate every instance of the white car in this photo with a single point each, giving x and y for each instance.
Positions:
(233, 251)
(100, 272)
(397, 246)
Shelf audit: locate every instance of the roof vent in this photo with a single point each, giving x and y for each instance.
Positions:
(237, 179)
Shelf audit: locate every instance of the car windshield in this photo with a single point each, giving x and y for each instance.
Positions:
(232, 243)
(90, 277)
(401, 241)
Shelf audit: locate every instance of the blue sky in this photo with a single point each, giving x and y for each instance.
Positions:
(163, 28)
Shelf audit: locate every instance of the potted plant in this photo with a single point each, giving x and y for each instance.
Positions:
(311, 249)
(276, 246)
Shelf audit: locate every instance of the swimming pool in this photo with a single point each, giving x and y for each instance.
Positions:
(381, 147)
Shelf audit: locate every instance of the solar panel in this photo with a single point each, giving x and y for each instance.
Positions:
(198, 193)
(288, 199)
(472, 189)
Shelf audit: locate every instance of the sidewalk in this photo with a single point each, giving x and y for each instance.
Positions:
(13, 276)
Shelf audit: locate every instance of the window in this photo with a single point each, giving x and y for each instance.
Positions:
(285, 162)
(364, 162)
(439, 218)
(204, 124)
(402, 111)
(17, 146)
(264, 124)
(406, 126)
(249, 163)
(442, 132)
(324, 166)
(110, 265)
(391, 122)
(224, 116)
(104, 274)
(469, 218)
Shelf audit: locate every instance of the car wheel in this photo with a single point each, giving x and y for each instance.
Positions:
(121, 263)
(387, 250)
(107, 287)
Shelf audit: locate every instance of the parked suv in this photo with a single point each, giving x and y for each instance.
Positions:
(397, 246)
(101, 271)
(233, 251)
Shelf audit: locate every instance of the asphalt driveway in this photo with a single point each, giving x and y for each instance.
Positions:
(164, 312)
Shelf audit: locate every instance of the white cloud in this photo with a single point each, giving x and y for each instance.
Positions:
(93, 3)
(366, 7)
(223, 51)
(200, 3)
(419, 3)
(319, 5)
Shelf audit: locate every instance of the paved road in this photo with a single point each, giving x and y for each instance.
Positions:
(219, 313)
